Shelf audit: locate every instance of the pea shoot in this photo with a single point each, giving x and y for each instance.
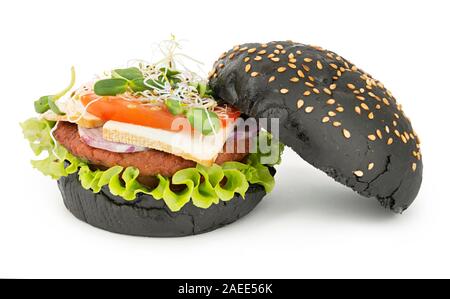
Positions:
(48, 102)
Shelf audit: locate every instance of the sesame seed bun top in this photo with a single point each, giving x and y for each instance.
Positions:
(333, 114)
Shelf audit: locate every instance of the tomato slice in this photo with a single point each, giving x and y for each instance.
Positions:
(134, 112)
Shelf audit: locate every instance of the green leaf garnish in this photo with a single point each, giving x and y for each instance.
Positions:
(137, 85)
(203, 120)
(45, 103)
(110, 87)
(53, 106)
(201, 88)
(130, 74)
(169, 73)
(174, 106)
(41, 105)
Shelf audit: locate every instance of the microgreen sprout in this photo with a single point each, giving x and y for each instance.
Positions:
(45, 103)
(162, 83)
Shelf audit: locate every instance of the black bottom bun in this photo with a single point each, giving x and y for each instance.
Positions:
(148, 217)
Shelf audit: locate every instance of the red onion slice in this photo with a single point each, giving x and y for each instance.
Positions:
(94, 138)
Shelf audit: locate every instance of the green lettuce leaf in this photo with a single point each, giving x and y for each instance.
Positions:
(37, 132)
(205, 186)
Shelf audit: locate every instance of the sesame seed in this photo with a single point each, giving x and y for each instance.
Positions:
(351, 86)
(264, 45)
(300, 103)
(316, 91)
(254, 74)
(340, 109)
(271, 78)
(331, 101)
(246, 59)
(298, 52)
(309, 109)
(243, 49)
(346, 133)
(292, 66)
(386, 128)
(247, 68)
(275, 59)
(379, 134)
(236, 48)
(257, 58)
(292, 60)
(307, 60)
(331, 113)
(309, 84)
(279, 47)
(378, 106)
(306, 68)
(414, 167)
(231, 56)
(252, 50)
(284, 90)
(325, 119)
(271, 55)
(334, 66)
(385, 101)
(358, 173)
(276, 52)
(333, 86)
(300, 74)
(336, 124)
(390, 141)
(371, 115)
(262, 52)
(404, 139)
(370, 166)
(291, 56)
(327, 91)
(319, 65)
(294, 79)
(361, 98)
(281, 69)
(221, 65)
(307, 93)
(364, 106)
(372, 137)
(358, 110)
(406, 136)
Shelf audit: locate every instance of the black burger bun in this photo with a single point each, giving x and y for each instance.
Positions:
(333, 114)
(148, 217)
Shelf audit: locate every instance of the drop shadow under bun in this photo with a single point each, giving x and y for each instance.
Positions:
(333, 114)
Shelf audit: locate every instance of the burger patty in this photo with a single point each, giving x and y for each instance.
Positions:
(150, 162)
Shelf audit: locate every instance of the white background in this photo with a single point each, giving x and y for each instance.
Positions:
(309, 226)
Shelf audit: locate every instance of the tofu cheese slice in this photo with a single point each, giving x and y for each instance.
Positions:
(188, 144)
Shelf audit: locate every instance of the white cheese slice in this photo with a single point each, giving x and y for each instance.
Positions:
(188, 144)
